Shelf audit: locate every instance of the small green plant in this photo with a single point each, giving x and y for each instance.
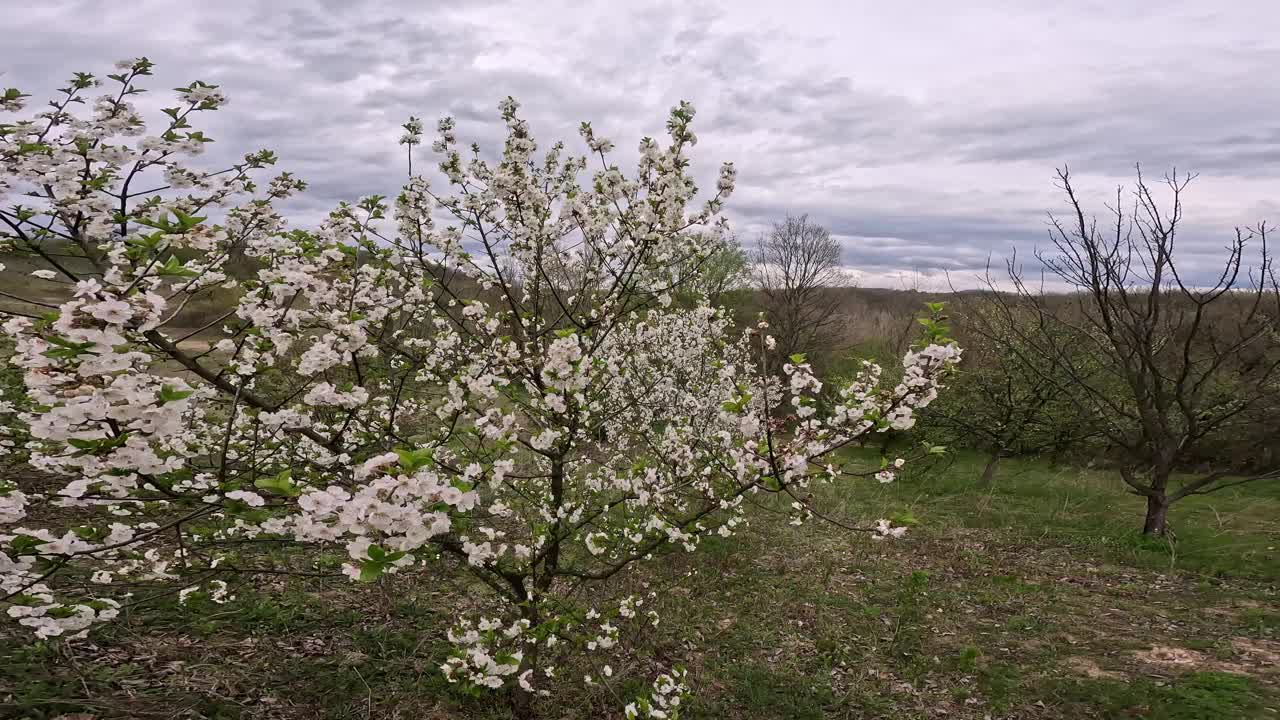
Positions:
(967, 659)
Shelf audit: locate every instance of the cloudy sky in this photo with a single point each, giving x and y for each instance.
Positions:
(924, 135)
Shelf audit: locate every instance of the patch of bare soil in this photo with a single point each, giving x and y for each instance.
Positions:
(1090, 669)
(1183, 659)
(1263, 655)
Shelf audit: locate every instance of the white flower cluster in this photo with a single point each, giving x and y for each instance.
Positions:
(407, 510)
(885, 530)
(37, 610)
(663, 702)
(13, 506)
(479, 659)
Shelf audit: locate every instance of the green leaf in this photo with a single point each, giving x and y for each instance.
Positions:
(412, 460)
(168, 393)
(280, 484)
(174, 267)
(904, 518)
(371, 570)
(88, 532)
(99, 446)
(185, 221)
(67, 349)
(797, 359)
(24, 543)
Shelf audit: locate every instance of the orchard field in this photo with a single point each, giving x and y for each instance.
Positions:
(1036, 598)
(539, 437)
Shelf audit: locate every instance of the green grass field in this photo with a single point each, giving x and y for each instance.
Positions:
(1036, 598)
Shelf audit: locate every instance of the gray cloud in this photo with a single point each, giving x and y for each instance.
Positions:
(924, 136)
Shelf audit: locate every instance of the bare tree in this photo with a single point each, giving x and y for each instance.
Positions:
(1173, 362)
(795, 265)
(999, 404)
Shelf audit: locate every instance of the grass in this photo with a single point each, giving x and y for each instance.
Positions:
(1036, 598)
(1195, 696)
(1234, 533)
(16, 279)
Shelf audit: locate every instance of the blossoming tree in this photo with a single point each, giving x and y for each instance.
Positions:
(490, 380)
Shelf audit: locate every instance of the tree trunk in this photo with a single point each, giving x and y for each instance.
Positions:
(522, 704)
(989, 472)
(885, 441)
(1157, 515)
(1055, 457)
(522, 700)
